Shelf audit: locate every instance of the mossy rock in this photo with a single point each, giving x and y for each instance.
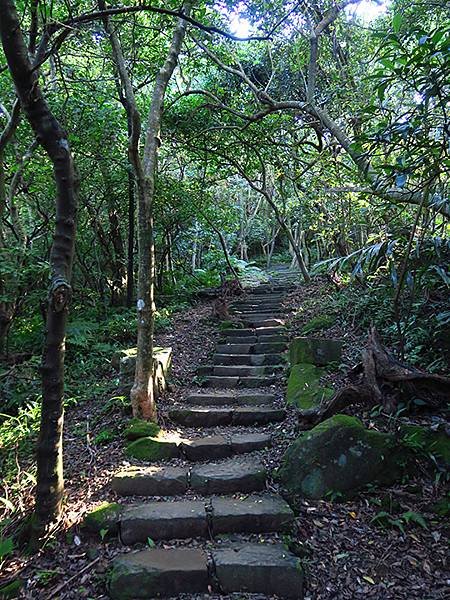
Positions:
(318, 323)
(103, 518)
(304, 389)
(339, 457)
(316, 351)
(427, 442)
(152, 449)
(138, 428)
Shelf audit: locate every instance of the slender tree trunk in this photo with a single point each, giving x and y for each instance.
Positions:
(142, 399)
(131, 223)
(50, 483)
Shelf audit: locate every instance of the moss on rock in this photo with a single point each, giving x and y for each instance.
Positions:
(152, 449)
(105, 517)
(138, 428)
(339, 457)
(316, 351)
(304, 389)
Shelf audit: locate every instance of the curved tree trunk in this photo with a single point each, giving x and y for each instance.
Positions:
(50, 484)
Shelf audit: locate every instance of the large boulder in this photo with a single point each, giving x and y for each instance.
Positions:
(339, 457)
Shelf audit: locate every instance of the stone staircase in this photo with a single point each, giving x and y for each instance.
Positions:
(219, 490)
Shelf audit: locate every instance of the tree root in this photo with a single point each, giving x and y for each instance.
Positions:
(383, 380)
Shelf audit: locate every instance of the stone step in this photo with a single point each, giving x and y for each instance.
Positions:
(223, 399)
(150, 481)
(158, 573)
(255, 321)
(260, 339)
(193, 518)
(272, 291)
(265, 569)
(257, 348)
(263, 305)
(246, 370)
(211, 417)
(220, 382)
(248, 359)
(241, 313)
(228, 477)
(251, 332)
(218, 446)
(235, 475)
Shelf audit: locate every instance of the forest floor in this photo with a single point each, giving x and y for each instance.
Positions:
(348, 551)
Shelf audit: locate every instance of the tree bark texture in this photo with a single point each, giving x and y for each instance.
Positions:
(50, 483)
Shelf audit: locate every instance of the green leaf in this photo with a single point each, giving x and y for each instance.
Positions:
(387, 62)
(397, 22)
(415, 518)
(6, 546)
(150, 543)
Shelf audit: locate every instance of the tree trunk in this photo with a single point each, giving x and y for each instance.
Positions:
(131, 223)
(50, 483)
(142, 399)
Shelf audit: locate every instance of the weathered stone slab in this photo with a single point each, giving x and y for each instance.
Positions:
(304, 389)
(256, 382)
(252, 515)
(228, 477)
(206, 417)
(223, 398)
(256, 360)
(266, 322)
(242, 370)
(234, 348)
(315, 351)
(162, 521)
(246, 415)
(221, 382)
(240, 339)
(237, 333)
(249, 442)
(158, 572)
(211, 447)
(263, 347)
(270, 339)
(259, 569)
(150, 481)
